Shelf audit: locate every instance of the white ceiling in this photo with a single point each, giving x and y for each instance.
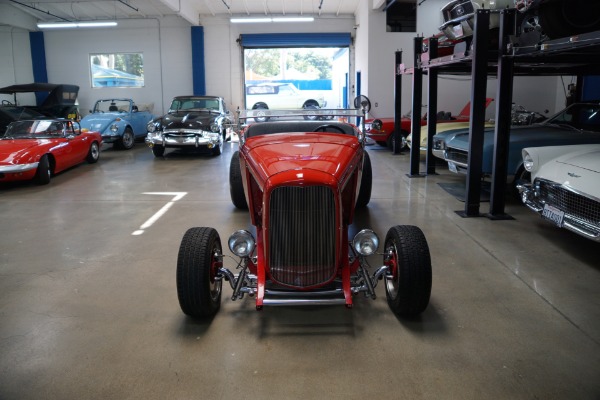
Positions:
(85, 10)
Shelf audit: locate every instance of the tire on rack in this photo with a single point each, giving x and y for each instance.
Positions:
(158, 150)
(260, 115)
(44, 171)
(127, 141)
(198, 289)
(366, 184)
(564, 18)
(311, 105)
(236, 186)
(408, 284)
(93, 153)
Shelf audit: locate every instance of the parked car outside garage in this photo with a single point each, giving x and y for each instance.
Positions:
(281, 96)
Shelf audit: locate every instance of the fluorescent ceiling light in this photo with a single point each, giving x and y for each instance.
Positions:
(294, 19)
(249, 20)
(90, 24)
(246, 20)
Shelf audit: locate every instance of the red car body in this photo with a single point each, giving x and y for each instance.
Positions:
(301, 188)
(41, 148)
(383, 136)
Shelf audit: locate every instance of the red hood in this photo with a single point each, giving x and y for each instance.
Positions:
(329, 154)
(22, 150)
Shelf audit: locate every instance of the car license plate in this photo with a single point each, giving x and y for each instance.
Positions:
(553, 214)
(452, 167)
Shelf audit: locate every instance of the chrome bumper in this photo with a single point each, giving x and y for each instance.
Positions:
(11, 169)
(202, 139)
(531, 196)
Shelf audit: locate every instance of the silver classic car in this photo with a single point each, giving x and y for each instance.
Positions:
(193, 123)
(565, 187)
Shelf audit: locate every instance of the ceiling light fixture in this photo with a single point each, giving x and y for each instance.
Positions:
(246, 20)
(68, 25)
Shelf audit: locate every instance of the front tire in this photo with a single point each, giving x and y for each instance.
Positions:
(198, 261)
(236, 186)
(158, 150)
(260, 113)
(408, 285)
(127, 140)
(366, 184)
(311, 117)
(44, 172)
(93, 153)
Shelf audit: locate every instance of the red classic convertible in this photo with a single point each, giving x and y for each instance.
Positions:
(301, 182)
(38, 149)
(380, 129)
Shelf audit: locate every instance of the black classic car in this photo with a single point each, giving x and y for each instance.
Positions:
(193, 123)
(54, 100)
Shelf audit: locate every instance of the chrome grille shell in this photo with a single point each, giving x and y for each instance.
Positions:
(302, 236)
(581, 212)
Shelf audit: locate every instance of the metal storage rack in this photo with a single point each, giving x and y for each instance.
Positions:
(577, 55)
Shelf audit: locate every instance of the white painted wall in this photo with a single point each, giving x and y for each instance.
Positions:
(165, 45)
(15, 64)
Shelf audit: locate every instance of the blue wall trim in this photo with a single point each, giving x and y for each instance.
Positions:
(38, 61)
(198, 68)
(269, 40)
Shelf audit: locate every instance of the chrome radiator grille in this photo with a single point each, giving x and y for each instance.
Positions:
(578, 209)
(302, 235)
(459, 156)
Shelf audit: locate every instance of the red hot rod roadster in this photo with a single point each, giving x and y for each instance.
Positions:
(301, 182)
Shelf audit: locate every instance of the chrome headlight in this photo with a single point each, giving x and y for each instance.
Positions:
(365, 242)
(215, 128)
(377, 124)
(528, 162)
(114, 128)
(151, 126)
(241, 243)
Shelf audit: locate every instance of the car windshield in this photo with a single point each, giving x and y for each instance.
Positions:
(579, 116)
(35, 129)
(195, 103)
(111, 105)
(17, 112)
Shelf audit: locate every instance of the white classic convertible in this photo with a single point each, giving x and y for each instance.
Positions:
(565, 186)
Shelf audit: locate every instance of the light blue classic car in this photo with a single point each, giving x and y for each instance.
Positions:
(577, 124)
(119, 121)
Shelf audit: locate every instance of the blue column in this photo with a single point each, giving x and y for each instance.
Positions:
(198, 71)
(38, 62)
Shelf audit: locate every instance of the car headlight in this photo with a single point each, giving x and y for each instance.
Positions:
(377, 124)
(241, 243)
(151, 126)
(365, 242)
(215, 128)
(114, 128)
(528, 162)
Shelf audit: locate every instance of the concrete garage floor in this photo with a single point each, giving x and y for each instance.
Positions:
(89, 310)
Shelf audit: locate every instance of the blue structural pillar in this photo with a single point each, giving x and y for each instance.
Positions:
(198, 71)
(38, 61)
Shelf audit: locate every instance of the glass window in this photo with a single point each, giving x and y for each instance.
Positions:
(117, 70)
